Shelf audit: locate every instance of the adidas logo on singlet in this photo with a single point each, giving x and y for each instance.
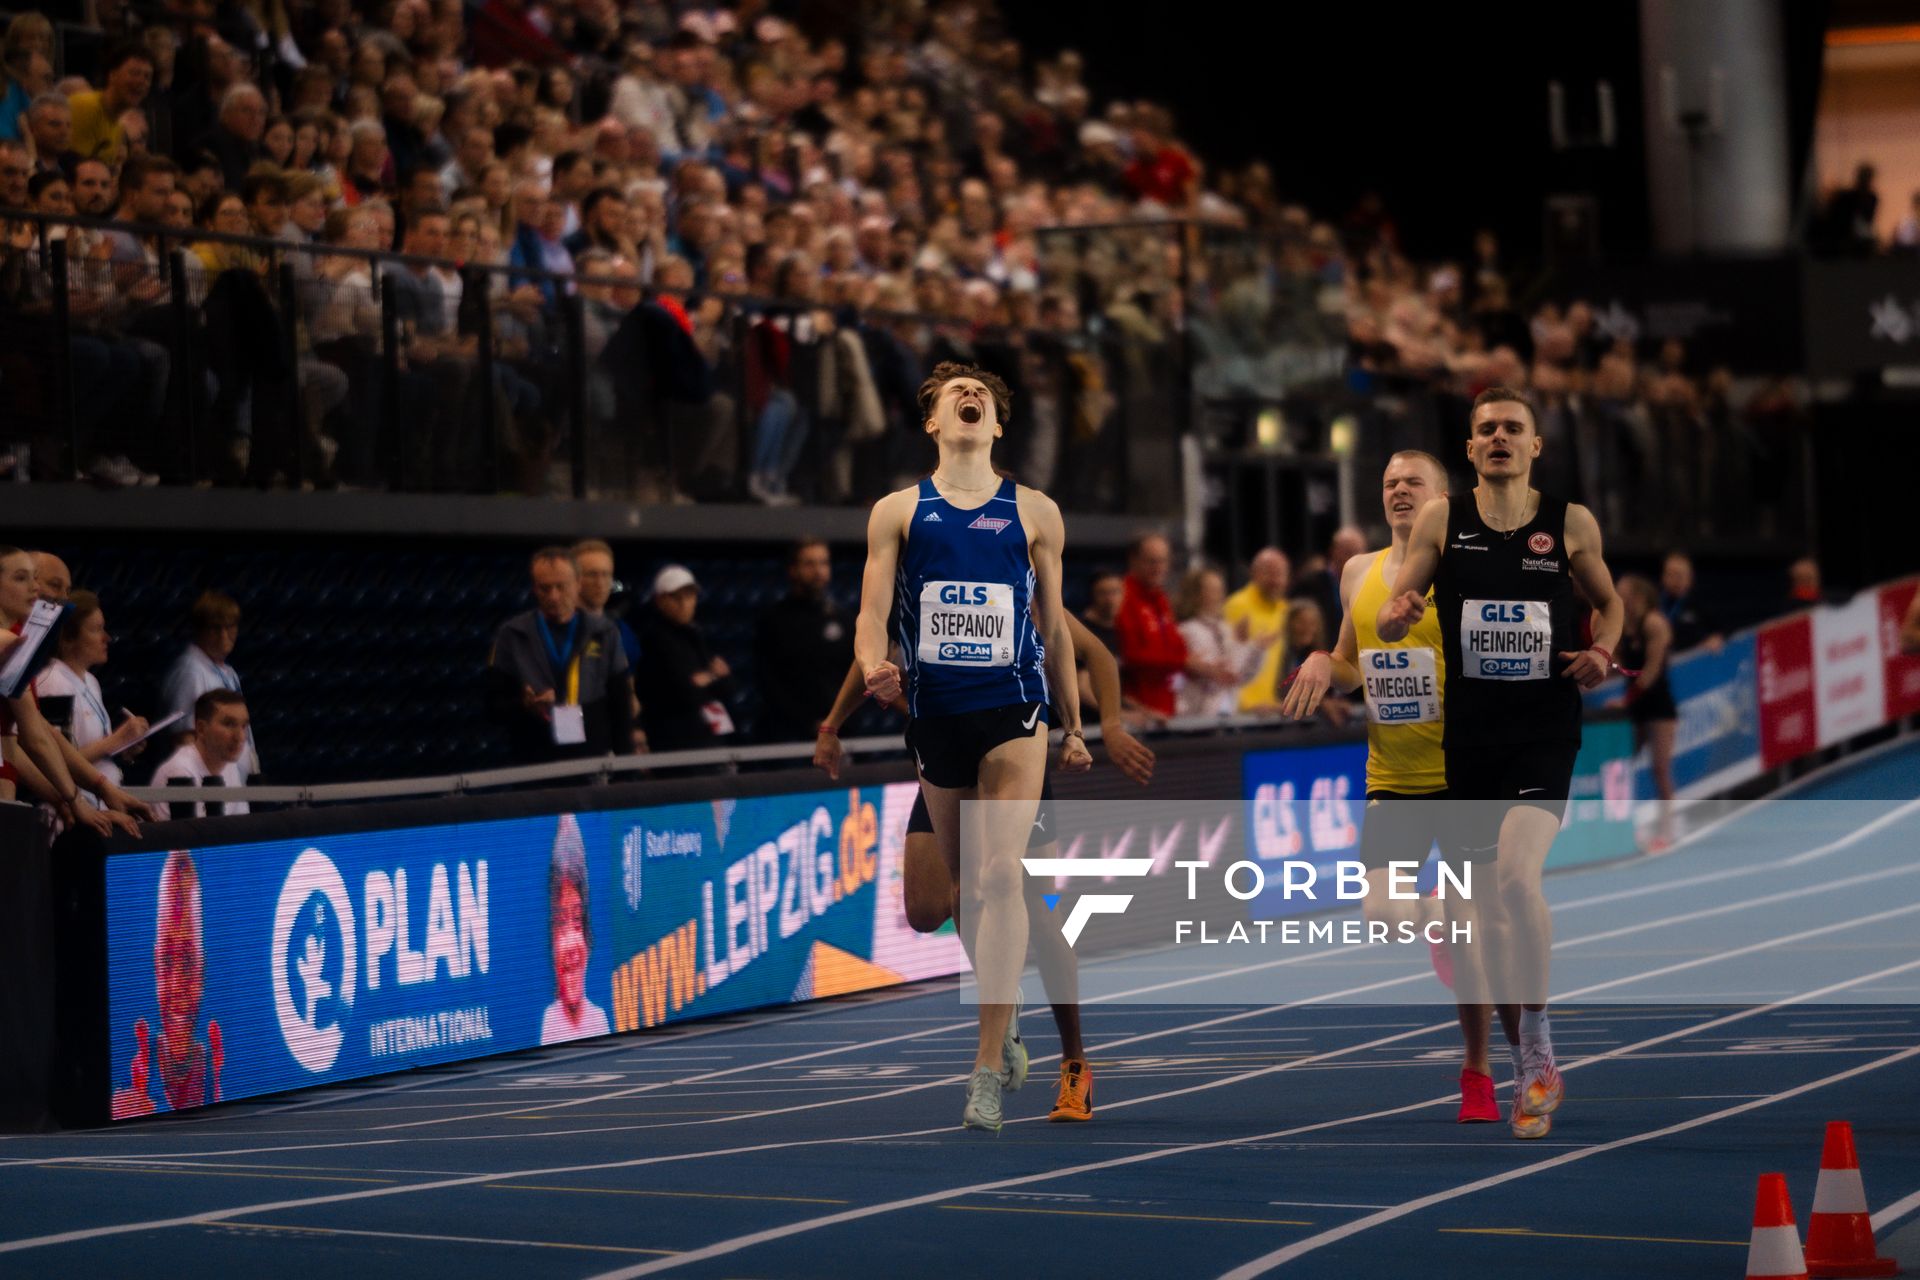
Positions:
(931, 517)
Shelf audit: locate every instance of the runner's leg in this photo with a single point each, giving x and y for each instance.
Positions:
(992, 885)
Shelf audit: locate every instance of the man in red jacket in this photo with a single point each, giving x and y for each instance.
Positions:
(1152, 650)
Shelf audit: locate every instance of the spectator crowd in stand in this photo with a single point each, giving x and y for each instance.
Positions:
(703, 155)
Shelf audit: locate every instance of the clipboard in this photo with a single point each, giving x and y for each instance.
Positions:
(156, 727)
(33, 650)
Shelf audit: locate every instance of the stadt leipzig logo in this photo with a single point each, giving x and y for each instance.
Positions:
(1540, 543)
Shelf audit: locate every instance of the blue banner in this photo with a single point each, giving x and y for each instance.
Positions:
(1303, 803)
(246, 969)
(1719, 732)
(1717, 741)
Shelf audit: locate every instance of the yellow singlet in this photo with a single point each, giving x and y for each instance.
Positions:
(1404, 683)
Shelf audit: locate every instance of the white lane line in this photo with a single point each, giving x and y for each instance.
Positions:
(739, 1243)
(1242, 1015)
(437, 1239)
(944, 1028)
(1313, 1059)
(1322, 1204)
(93, 1233)
(1880, 823)
(1280, 1257)
(538, 1063)
(1895, 1211)
(1113, 996)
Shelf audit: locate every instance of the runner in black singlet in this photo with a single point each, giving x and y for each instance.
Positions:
(1502, 561)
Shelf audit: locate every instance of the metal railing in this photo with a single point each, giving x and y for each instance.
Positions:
(240, 359)
(604, 769)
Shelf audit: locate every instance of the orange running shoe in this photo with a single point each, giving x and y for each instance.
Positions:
(1526, 1126)
(1075, 1100)
(1545, 1088)
(1476, 1098)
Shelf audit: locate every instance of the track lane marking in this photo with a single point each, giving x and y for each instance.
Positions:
(1279, 1257)
(440, 1239)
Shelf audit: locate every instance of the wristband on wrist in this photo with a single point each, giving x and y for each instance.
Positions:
(827, 730)
(1603, 651)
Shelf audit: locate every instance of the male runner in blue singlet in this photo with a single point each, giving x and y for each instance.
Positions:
(965, 567)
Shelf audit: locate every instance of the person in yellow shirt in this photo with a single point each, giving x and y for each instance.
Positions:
(97, 133)
(1257, 613)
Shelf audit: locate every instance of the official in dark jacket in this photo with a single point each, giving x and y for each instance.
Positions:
(557, 676)
(684, 686)
(802, 647)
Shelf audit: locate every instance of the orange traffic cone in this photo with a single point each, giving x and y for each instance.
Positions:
(1775, 1251)
(1840, 1234)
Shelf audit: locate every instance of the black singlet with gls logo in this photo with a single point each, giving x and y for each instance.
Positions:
(1507, 611)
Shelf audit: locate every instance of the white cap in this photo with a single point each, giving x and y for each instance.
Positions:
(673, 578)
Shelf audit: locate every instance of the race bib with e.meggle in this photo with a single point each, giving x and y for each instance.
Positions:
(1506, 640)
(1402, 686)
(966, 624)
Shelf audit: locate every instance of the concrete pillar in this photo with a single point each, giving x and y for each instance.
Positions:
(1715, 80)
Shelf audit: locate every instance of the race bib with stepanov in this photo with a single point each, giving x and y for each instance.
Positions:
(1506, 640)
(966, 624)
(1402, 685)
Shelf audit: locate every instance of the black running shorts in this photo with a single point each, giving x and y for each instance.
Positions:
(949, 749)
(1496, 779)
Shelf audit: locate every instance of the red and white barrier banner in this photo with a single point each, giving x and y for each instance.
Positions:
(1902, 678)
(1788, 722)
(1850, 669)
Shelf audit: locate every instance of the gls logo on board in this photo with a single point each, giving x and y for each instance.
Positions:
(317, 945)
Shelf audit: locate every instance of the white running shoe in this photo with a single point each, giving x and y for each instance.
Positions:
(983, 1100)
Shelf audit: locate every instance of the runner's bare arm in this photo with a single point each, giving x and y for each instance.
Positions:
(827, 751)
(1588, 668)
(886, 532)
(1127, 752)
(1408, 602)
(1045, 542)
(1338, 669)
(1346, 646)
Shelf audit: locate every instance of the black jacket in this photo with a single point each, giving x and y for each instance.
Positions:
(801, 651)
(520, 661)
(670, 703)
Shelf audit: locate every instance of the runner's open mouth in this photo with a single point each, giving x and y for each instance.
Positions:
(970, 411)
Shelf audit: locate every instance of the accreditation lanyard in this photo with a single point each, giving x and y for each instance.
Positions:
(98, 708)
(563, 659)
